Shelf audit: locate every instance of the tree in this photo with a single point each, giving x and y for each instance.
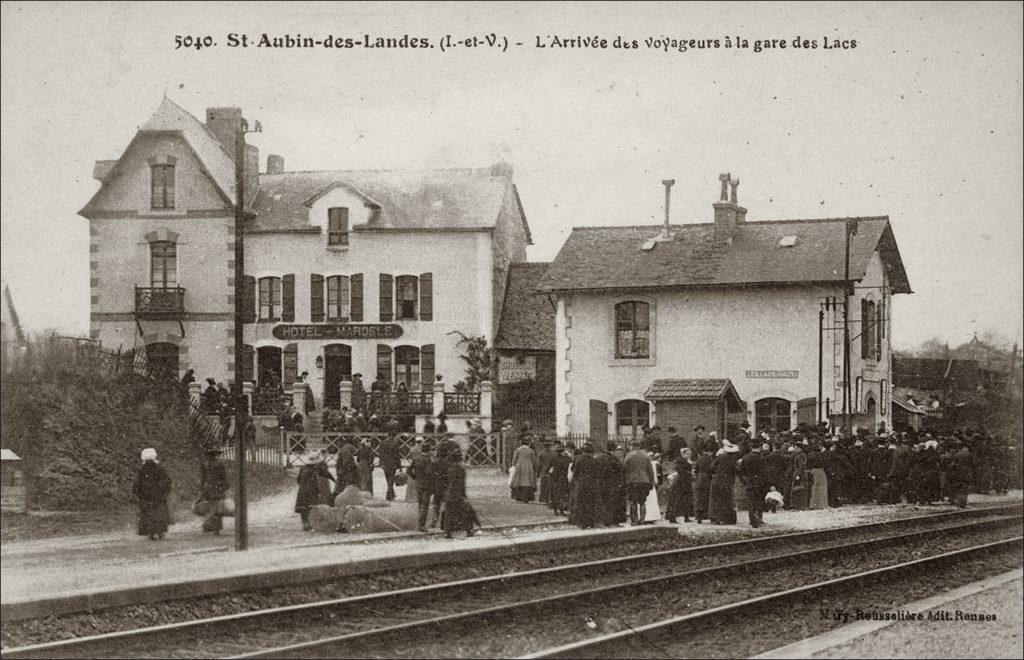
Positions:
(481, 361)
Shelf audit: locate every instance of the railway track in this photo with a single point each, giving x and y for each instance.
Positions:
(398, 622)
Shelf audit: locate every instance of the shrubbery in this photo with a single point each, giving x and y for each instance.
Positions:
(79, 427)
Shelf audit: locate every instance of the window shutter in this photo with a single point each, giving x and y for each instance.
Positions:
(426, 297)
(356, 282)
(316, 298)
(384, 363)
(387, 298)
(288, 298)
(248, 299)
(427, 367)
(245, 366)
(878, 332)
(290, 369)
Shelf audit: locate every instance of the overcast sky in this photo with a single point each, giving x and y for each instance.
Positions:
(920, 122)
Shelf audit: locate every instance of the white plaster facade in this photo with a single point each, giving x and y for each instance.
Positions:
(721, 332)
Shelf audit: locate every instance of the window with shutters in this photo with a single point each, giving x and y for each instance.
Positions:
(387, 301)
(270, 299)
(337, 226)
(427, 367)
(407, 366)
(163, 264)
(632, 330)
(162, 189)
(406, 297)
(869, 340)
(338, 301)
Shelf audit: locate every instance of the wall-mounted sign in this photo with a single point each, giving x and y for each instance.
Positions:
(514, 370)
(339, 331)
(770, 373)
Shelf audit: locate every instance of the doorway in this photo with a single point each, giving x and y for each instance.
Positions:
(337, 367)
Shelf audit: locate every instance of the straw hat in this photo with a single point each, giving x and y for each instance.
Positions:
(149, 454)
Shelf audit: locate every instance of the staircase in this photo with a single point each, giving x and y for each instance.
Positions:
(315, 421)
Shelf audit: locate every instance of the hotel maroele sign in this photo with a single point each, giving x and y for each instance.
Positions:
(338, 331)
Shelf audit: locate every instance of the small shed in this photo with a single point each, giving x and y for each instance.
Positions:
(906, 414)
(688, 402)
(13, 494)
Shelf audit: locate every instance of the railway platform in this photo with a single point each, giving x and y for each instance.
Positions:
(94, 568)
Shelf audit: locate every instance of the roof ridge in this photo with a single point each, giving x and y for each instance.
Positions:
(468, 170)
(659, 225)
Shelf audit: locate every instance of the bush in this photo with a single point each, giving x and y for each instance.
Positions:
(79, 429)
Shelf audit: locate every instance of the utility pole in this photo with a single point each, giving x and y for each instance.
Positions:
(241, 406)
(821, 346)
(851, 229)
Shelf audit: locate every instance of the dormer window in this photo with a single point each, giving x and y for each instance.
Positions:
(337, 226)
(162, 188)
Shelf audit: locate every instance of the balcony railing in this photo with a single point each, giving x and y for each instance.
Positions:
(460, 403)
(415, 403)
(159, 302)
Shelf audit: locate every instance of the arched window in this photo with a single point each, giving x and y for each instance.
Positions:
(338, 300)
(772, 414)
(162, 360)
(632, 330)
(163, 264)
(270, 298)
(631, 416)
(407, 366)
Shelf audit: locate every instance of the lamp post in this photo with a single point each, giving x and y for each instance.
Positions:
(241, 408)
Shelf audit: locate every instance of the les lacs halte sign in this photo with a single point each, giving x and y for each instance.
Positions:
(338, 331)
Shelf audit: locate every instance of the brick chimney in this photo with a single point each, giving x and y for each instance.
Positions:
(728, 212)
(275, 164)
(223, 122)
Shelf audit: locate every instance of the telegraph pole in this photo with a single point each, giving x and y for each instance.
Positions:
(241, 406)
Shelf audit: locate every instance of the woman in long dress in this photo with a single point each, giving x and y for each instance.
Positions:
(819, 480)
(345, 468)
(652, 508)
(585, 511)
(151, 488)
(723, 477)
(680, 492)
(524, 483)
(458, 513)
(799, 489)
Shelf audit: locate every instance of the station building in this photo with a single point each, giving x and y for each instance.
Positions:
(723, 315)
(371, 272)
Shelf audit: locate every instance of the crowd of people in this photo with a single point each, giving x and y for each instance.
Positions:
(704, 478)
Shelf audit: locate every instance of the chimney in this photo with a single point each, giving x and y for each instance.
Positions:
(728, 212)
(275, 164)
(252, 173)
(665, 235)
(223, 122)
(502, 169)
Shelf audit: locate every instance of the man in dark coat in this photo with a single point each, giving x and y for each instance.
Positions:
(609, 483)
(676, 444)
(702, 484)
(458, 514)
(698, 441)
(345, 468)
(837, 470)
(544, 459)
(559, 480)
(390, 454)
(640, 478)
(314, 486)
(213, 488)
(899, 469)
(584, 475)
(364, 462)
(753, 472)
(680, 492)
(439, 469)
(422, 470)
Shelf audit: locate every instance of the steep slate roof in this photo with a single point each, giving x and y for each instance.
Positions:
(612, 258)
(454, 199)
(527, 318)
(902, 402)
(693, 389)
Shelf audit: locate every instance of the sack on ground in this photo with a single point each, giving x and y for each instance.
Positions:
(326, 519)
(201, 508)
(226, 507)
(363, 519)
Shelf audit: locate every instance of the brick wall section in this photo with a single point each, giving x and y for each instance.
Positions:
(684, 415)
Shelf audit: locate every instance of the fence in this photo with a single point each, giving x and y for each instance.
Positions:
(541, 416)
(484, 449)
(410, 403)
(461, 403)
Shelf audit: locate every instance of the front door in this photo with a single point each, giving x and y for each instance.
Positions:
(337, 367)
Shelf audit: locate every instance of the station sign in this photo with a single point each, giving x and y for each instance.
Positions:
(770, 373)
(338, 331)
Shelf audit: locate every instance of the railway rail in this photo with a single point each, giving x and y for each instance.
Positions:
(391, 622)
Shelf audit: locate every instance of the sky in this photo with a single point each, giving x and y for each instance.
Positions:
(921, 121)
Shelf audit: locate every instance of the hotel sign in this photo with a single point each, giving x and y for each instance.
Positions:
(339, 331)
(769, 373)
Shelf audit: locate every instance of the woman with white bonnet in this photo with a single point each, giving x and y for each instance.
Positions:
(151, 488)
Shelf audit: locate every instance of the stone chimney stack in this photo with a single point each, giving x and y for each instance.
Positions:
(223, 122)
(728, 212)
(275, 164)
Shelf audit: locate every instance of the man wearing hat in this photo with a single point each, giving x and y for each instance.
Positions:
(698, 440)
(640, 477)
(213, 489)
(753, 472)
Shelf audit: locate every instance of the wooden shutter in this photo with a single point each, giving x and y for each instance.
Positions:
(426, 297)
(245, 364)
(865, 345)
(384, 363)
(316, 298)
(290, 368)
(288, 298)
(427, 367)
(356, 310)
(248, 299)
(878, 332)
(387, 298)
